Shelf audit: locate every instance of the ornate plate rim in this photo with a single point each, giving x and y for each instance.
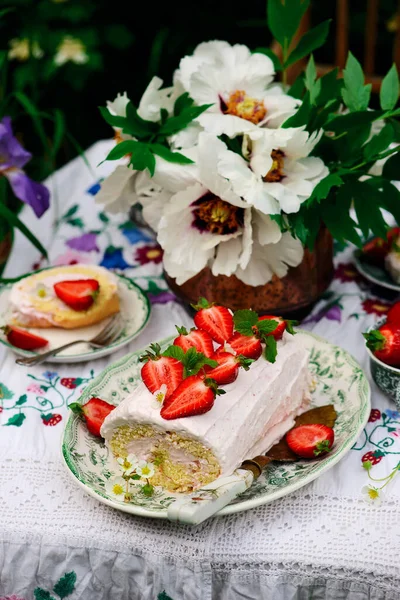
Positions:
(328, 462)
(360, 268)
(100, 353)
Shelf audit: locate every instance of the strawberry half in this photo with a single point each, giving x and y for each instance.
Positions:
(216, 320)
(25, 340)
(283, 325)
(248, 346)
(311, 441)
(194, 396)
(159, 370)
(195, 338)
(78, 294)
(385, 343)
(94, 412)
(228, 367)
(393, 315)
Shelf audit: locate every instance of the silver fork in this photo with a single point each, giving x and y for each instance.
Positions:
(107, 335)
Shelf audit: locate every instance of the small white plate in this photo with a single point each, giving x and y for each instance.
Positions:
(339, 380)
(135, 312)
(373, 273)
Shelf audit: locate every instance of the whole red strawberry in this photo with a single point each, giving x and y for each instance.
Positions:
(70, 382)
(393, 315)
(195, 338)
(372, 457)
(216, 320)
(159, 370)
(50, 420)
(78, 294)
(94, 413)
(194, 396)
(385, 343)
(23, 339)
(311, 441)
(228, 367)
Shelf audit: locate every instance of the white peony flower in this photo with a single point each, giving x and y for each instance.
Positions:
(279, 175)
(71, 50)
(236, 83)
(145, 469)
(117, 107)
(128, 464)
(154, 99)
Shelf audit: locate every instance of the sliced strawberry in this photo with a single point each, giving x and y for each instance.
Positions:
(78, 294)
(248, 346)
(393, 315)
(194, 396)
(195, 338)
(94, 412)
(311, 441)
(216, 320)
(280, 329)
(377, 248)
(385, 343)
(228, 367)
(21, 338)
(159, 370)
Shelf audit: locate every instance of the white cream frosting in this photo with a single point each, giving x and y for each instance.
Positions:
(24, 291)
(256, 411)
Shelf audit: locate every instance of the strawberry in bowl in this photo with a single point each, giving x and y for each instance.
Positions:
(383, 348)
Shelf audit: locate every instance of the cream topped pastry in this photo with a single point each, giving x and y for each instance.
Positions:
(195, 425)
(40, 300)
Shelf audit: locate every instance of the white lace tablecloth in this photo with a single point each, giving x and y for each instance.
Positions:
(322, 542)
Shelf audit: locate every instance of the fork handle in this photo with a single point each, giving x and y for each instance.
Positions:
(39, 358)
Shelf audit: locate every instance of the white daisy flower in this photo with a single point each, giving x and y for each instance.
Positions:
(128, 464)
(279, 175)
(71, 50)
(236, 82)
(145, 469)
(116, 486)
(372, 495)
(22, 48)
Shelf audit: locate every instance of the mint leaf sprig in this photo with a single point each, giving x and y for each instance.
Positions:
(192, 360)
(150, 138)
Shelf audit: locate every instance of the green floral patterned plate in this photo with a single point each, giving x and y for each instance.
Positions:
(135, 311)
(373, 273)
(338, 379)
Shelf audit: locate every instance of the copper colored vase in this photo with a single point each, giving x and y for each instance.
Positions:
(301, 287)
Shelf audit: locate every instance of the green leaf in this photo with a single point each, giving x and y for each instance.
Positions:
(335, 212)
(355, 94)
(379, 142)
(21, 400)
(322, 189)
(389, 93)
(34, 114)
(182, 102)
(284, 18)
(297, 89)
(188, 114)
(66, 585)
(391, 196)
(244, 320)
(41, 594)
(267, 325)
(310, 41)
(270, 351)
(163, 115)
(136, 126)
(113, 120)
(142, 158)
(330, 88)
(344, 123)
(391, 168)
(175, 352)
(302, 115)
(15, 222)
(16, 420)
(312, 84)
(194, 361)
(271, 54)
(167, 154)
(367, 203)
(121, 150)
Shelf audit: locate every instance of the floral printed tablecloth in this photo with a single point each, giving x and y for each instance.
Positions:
(334, 539)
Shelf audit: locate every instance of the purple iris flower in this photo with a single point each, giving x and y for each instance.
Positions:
(12, 158)
(85, 243)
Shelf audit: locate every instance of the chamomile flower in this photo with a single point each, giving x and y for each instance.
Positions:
(372, 495)
(116, 487)
(159, 395)
(128, 464)
(145, 469)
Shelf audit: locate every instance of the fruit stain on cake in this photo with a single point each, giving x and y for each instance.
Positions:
(67, 297)
(194, 428)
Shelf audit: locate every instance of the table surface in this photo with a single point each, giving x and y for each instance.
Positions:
(323, 541)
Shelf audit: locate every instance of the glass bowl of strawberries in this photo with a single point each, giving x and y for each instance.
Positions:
(383, 347)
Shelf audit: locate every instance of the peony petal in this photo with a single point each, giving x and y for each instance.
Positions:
(117, 192)
(174, 177)
(118, 105)
(227, 257)
(230, 125)
(268, 232)
(154, 99)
